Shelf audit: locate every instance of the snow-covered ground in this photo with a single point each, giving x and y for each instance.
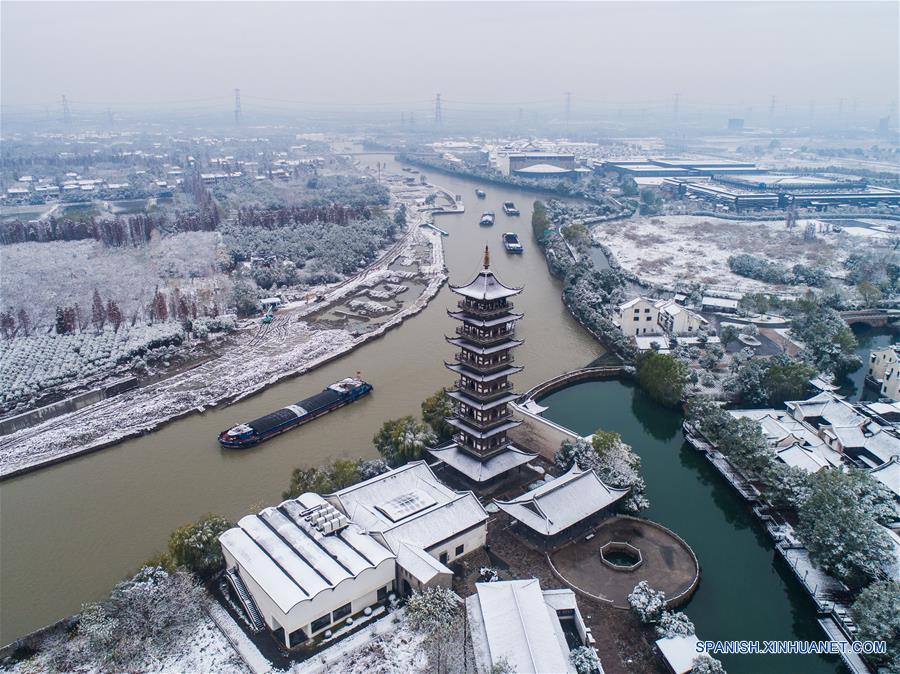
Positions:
(264, 355)
(665, 250)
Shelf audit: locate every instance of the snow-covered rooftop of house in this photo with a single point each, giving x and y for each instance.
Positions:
(556, 505)
(801, 457)
(889, 475)
(291, 560)
(721, 302)
(645, 342)
(511, 620)
(481, 471)
(419, 563)
(409, 505)
(679, 652)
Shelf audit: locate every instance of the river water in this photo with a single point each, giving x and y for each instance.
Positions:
(71, 531)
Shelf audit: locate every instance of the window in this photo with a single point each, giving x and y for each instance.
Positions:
(382, 593)
(321, 623)
(297, 637)
(649, 318)
(647, 311)
(443, 558)
(459, 550)
(341, 612)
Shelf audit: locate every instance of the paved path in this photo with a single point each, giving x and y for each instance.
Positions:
(238, 639)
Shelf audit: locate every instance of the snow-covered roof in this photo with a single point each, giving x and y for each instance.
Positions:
(722, 302)
(485, 350)
(485, 323)
(419, 563)
(556, 505)
(804, 458)
(409, 505)
(889, 474)
(293, 562)
(679, 652)
(543, 168)
(485, 286)
(481, 471)
(832, 408)
(520, 627)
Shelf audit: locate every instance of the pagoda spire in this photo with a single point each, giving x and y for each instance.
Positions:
(487, 258)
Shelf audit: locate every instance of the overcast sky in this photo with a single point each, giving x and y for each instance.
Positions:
(180, 54)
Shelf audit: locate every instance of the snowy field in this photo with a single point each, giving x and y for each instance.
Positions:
(261, 357)
(63, 273)
(666, 250)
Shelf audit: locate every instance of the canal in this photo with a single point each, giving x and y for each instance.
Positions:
(746, 591)
(71, 531)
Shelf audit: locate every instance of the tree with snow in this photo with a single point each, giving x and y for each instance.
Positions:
(98, 311)
(402, 440)
(647, 603)
(876, 613)
(584, 659)
(674, 624)
(614, 462)
(704, 664)
(434, 612)
(435, 410)
(839, 525)
(662, 376)
(196, 546)
(369, 468)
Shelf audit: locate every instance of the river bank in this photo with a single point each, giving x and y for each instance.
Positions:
(72, 530)
(287, 347)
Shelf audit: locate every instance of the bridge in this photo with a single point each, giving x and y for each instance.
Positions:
(563, 380)
(873, 317)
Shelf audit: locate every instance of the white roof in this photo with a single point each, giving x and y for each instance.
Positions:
(290, 560)
(543, 168)
(485, 286)
(802, 457)
(521, 627)
(481, 471)
(889, 474)
(566, 500)
(428, 512)
(720, 302)
(419, 563)
(679, 652)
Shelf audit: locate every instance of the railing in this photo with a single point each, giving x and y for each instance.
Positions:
(484, 339)
(497, 391)
(476, 310)
(485, 367)
(486, 423)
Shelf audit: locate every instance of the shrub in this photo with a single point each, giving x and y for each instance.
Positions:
(196, 546)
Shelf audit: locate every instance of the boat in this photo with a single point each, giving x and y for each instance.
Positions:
(487, 219)
(510, 208)
(254, 432)
(480, 194)
(511, 242)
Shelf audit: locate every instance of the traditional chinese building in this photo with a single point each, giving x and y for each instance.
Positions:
(486, 338)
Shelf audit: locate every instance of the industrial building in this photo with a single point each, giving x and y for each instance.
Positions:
(536, 164)
(664, 168)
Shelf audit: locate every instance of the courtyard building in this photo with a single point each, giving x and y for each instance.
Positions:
(530, 629)
(310, 563)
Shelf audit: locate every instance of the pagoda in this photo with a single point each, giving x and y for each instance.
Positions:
(486, 338)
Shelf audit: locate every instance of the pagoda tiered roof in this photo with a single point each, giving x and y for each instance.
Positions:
(474, 432)
(475, 375)
(484, 323)
(475, 403)
(485, 286)
(472, 346)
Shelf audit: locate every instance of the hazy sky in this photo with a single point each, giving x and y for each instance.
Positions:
(181, 54)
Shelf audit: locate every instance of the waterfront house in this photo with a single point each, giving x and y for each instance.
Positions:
(310, 563)
(644, 316)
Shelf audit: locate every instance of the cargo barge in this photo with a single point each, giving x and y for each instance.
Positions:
(253, 432)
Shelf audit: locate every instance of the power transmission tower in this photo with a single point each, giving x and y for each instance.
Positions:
(438, 117)
(238, 113)
(67, 113)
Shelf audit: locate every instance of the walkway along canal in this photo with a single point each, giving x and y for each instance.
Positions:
(746, 591)
(73, 530)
